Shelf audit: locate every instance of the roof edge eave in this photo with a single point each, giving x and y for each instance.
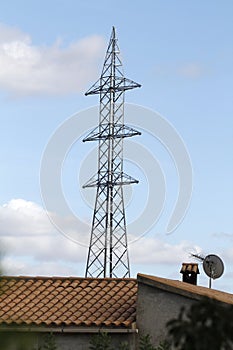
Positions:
(185, 289)
(67, 329)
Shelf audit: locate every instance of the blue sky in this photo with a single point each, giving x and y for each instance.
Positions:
(50, 54)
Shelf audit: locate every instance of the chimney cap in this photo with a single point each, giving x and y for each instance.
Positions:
(189, 268)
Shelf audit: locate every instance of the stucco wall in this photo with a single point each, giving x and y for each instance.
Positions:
(155, 307)
(82, 341)
(64, 341)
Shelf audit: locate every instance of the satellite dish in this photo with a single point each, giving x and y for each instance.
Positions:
(213, 267)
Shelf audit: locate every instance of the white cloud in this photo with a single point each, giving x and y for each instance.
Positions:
(152, 250)
(32, 245)
(29, 242)
(15, 266)
(25, 218)
(8, 34)
(20, 217)
(27, 69)
(227, 254)
(222, 235)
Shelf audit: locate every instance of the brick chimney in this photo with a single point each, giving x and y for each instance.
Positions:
(189, 272)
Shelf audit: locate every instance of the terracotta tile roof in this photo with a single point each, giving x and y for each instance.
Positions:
(54, 301)
(185, 289)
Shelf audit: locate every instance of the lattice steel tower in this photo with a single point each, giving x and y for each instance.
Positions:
(108, 251)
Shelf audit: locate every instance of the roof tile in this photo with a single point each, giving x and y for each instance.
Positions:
(68, 301)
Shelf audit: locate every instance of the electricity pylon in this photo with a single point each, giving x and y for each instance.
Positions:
(108, 251)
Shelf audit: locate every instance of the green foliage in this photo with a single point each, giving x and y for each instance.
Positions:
(208, 324)
(49, 342)
(145, 343)
(164, 345)
(101, 341)
(124, 346)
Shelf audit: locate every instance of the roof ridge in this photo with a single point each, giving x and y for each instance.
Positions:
(67, 278)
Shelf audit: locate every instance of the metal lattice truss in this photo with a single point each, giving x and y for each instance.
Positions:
(108, 252)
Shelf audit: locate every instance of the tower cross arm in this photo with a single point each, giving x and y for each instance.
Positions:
(120, 84)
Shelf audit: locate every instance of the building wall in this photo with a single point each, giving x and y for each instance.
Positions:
(68, 341)
(64, 341)
(81, 341)
(155, 307)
